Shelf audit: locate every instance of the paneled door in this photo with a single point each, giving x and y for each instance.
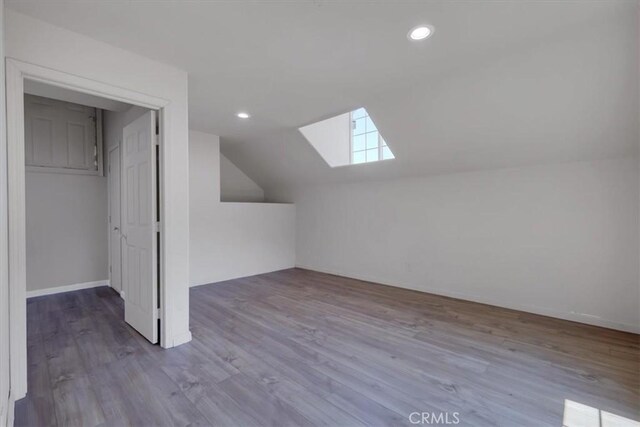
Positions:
(138, 222)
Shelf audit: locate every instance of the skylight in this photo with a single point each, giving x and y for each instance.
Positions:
(367, 145)
(348, 139)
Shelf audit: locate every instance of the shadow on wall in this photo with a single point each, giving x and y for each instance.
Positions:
(236, 186)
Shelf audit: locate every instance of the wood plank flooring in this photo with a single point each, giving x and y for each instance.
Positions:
(297, 347)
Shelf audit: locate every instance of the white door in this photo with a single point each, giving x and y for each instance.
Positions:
(115, 267)
(139, 239)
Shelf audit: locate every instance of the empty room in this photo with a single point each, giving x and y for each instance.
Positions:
(313, 212)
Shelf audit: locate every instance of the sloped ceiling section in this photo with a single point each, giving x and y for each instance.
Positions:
(573, 96)
(331, 138)
(499, 84)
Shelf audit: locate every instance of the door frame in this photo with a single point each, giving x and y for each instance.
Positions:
(16, 73)
(107, 164)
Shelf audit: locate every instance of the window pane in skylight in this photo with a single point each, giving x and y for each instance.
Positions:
(372, 140)
(358, 157)
(358, 143)
(365, 136)
(360, 112)
(372, 155)
(370, 126)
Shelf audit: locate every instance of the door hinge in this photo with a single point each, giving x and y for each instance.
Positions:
(158, 313)
(156, 226)
(156, 139)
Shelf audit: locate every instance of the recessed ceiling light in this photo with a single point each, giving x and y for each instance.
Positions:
(420, 32)
(243, 115)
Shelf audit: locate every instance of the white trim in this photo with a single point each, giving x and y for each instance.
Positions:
(16, 72)
(17, 228)
(181, 339)
(67, 171)
(572, 316)
(9, 415)
(67, 288)
(110, 229)
(99, 143)
(243, 275)
(80, 84)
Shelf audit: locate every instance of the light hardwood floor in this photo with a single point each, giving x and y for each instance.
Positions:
(303, 348)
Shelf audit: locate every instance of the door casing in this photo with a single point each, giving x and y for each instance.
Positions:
(16, 73)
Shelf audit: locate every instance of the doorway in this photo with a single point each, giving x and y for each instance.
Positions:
(19, 76)
(67, 195)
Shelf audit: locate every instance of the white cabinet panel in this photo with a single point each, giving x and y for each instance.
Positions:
(60, 135)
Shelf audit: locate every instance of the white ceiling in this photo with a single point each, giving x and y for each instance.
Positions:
(500, 83)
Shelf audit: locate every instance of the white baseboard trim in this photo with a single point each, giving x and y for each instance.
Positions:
(574, 317)
(240, 276)
(67, 288)
(8, 415)
(181, 339)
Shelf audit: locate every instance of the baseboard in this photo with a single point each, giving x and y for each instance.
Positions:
(8, 414)
(67, 288)
(574, 317)
(241, 276)
(181, 339)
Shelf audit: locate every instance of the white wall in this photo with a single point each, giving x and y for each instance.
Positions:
(67, 233)
(331, 139)
(66, 226)
(42, 44)
(236, 186)
(230, 240)
(66, 229)
(114, 123)
(560, 240)
(6, 406)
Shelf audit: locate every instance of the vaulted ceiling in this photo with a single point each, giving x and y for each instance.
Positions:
(499, 84)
